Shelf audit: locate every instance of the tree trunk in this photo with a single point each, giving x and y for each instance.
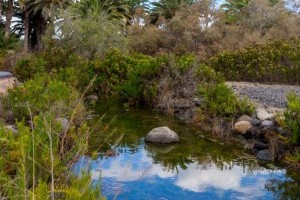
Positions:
(39, 29)
(1, 7)
(9, 15)
(26, 30)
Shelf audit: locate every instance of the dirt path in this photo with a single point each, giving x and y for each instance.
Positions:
(263, 94)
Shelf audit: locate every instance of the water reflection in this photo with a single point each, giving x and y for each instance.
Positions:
(193, 169)
(127, 171)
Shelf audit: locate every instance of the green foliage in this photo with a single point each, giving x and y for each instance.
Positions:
(128, 75)
(43, 93)
(28, 67)
(292, 116)
(277, 61)
(61, 63)
(33, 162)
(9, 43)
(208, 75)
(92, 36)
(219, 100)
(33, 159)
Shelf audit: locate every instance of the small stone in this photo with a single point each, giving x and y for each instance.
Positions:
(64, 123)
(197, 101)
(242, 126)
(267, 130)
(264, 155)
(281, 131)
(162, 135)
(12, 128)
(260, 146)
(253, 132)
(255, 122)
(249, 146)
(263, 114)
(92, 97)
(244, 118)
(267, 123)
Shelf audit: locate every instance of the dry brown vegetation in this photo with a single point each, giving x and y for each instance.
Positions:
(201, 28)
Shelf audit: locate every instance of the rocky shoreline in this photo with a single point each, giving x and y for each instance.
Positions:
(259, 134)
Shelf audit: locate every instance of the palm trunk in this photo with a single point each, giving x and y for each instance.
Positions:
(1, 7)
(41, 26)
(9, 16)
(26, 30)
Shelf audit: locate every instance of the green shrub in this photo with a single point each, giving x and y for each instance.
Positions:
(125, 75)
(28, 67)
(219, 100)
(207, 74)
(9, 43)
(43, 93)
(292, 116)
(277, 61)
(32, 159)
(62, 64)
(41, 152)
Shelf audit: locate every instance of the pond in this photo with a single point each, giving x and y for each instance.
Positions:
(196, 168)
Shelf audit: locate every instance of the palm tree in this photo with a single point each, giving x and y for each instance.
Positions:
(232, 9)
(113, 9)
(137, 9)
(166, 8)
(1, 7)
(9, 15)
(42, 13)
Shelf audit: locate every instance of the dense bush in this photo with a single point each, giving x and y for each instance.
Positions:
(9, 43)
(124, 74)
(33, 165)
(292, 116)
(41, 94)
(219, 100)
(34, 160)
(277, 61)
(62, 64)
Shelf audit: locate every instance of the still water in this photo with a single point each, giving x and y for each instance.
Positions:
(195, 168)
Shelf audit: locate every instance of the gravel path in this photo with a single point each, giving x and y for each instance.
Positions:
(263, 94)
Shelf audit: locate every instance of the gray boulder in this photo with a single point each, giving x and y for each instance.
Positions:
(162, 135)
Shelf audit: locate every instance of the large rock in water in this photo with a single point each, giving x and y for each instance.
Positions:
(162, 135)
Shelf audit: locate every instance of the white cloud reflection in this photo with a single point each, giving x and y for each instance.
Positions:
(196, 179)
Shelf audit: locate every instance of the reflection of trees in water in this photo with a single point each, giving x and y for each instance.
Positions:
(284, 188)
(206, 155)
